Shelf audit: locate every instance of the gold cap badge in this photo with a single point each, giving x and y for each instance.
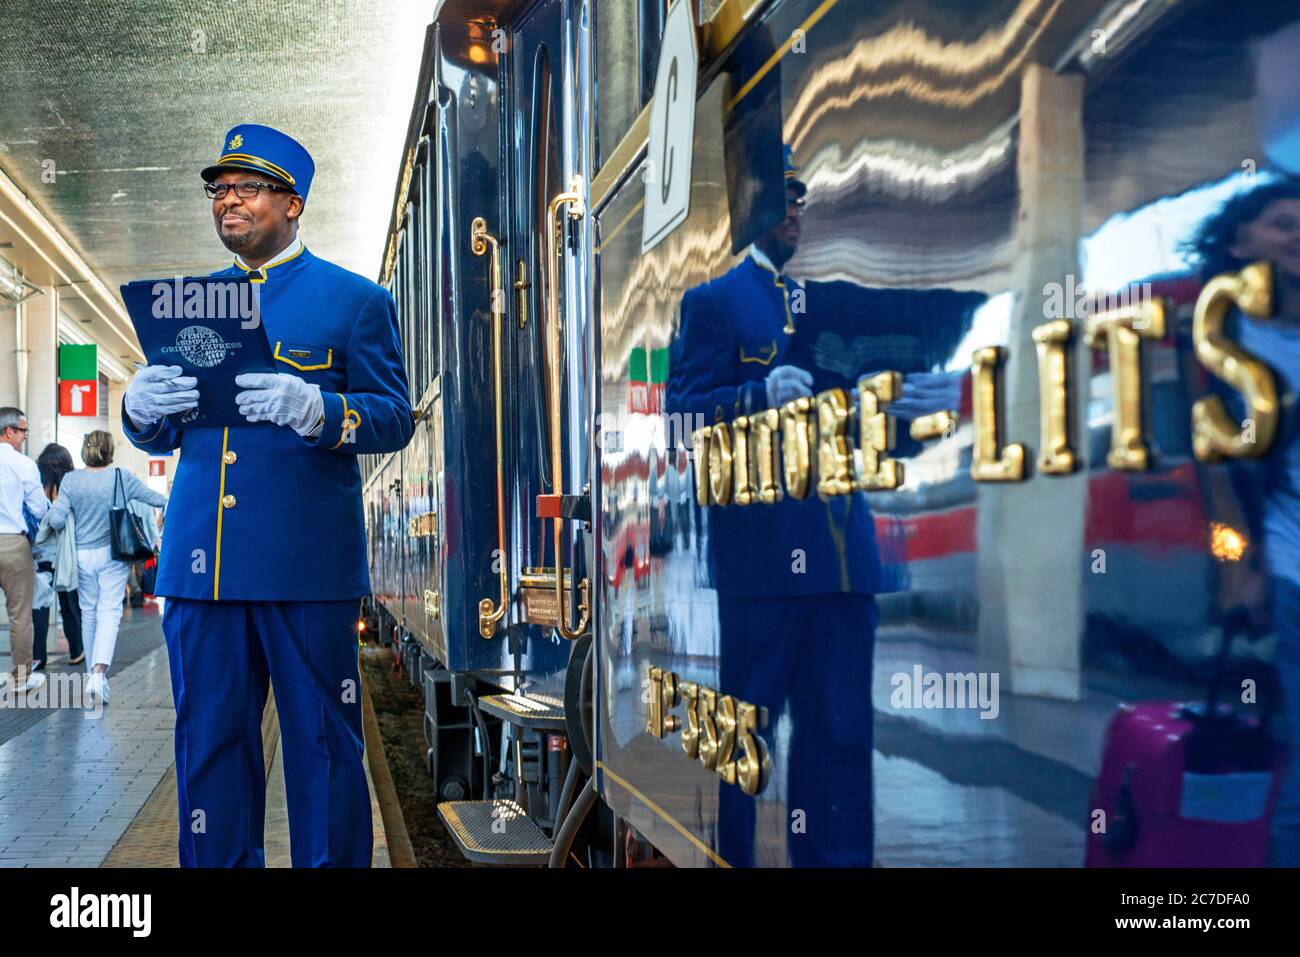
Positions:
(236, 141)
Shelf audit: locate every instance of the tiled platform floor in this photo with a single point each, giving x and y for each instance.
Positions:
(86, 790)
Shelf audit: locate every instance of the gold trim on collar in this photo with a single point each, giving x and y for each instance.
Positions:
(271, 265)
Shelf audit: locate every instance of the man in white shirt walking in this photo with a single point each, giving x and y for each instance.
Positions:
(20, 484)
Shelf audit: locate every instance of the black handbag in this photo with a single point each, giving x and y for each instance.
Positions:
(130, 544)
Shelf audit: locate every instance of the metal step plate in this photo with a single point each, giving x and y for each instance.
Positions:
(495, 832)
(538, 712)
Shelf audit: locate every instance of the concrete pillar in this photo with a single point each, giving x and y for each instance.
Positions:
(127, 455)
(9, 321)
(41, 357)
(1032, 533)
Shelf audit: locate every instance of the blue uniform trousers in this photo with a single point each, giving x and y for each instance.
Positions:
(808, 658)
(222, 655)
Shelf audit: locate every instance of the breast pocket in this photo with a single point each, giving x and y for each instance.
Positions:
(312, 361)
(759, 352)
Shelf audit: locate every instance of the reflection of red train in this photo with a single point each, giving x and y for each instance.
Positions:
(648, 522)
(630, 549)
(1156, 513)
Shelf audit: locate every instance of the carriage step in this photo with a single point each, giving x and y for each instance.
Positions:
(495, 832)
(537, 713)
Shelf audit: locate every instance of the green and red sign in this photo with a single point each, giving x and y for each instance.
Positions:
(78, 380)
(647, 379)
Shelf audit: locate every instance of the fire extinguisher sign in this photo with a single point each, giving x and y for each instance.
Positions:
(78, 380)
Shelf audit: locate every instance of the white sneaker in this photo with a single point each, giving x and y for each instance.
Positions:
(35, 680)
(96, 688)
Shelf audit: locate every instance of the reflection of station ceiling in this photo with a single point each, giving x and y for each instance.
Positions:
(124, 102)
(919, 111)
(904, 120)
(906, 132)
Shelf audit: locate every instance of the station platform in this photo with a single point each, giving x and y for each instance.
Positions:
(85, 791)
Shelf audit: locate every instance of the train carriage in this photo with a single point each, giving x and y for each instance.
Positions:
(1031, 262)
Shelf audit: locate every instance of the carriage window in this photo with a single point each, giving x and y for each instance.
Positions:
(427, 239)
(415, 359)
(412, 304)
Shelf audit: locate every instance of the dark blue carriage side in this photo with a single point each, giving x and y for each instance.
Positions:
(448, 550)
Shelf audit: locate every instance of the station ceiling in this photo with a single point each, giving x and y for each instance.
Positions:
(109, 110)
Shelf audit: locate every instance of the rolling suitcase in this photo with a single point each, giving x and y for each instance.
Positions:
(1185, 785)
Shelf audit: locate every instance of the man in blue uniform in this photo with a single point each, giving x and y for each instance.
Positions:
(795, 580)
(264, 552)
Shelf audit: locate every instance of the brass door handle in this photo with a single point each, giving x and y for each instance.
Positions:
(572, 199)
(489, 612)
(521, 290)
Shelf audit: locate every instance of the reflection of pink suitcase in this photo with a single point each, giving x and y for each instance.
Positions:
(1180, 791)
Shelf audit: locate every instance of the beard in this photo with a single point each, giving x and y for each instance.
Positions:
(235, 241)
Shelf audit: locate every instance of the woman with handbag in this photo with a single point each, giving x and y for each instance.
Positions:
(56, 565)
(108, 537)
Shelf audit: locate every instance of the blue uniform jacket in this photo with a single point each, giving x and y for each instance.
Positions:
(259, 513)
(731, 336)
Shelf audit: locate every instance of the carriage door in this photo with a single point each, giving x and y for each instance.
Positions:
(539, 256)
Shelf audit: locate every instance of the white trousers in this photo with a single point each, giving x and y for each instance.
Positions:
(101, 590)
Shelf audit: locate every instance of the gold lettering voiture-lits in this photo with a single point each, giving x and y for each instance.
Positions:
(834, 454)
(990, 461)
(746, 462)
(764, 427)
(876, 432)
(700, 454)
(796, 445)
(744, 488)
(720, 464)
(1051, 339)
(1214, 435)
(1120, 332)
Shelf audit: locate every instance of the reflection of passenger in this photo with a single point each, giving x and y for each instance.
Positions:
(1265, 224)
(795, 580)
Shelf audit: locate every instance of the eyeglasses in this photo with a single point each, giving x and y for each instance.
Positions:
(246, 190)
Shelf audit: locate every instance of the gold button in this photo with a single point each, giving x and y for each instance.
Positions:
(228, 501)
(229, 457)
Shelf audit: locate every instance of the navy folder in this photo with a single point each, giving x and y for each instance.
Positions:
(210, 326)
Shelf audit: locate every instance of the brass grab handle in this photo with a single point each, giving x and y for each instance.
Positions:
(573, 199)
(521, 290)
(489, 613)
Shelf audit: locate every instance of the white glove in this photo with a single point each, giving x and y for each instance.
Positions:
(785, 383)
(156, 391)
(281, 398)
(928, 392)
